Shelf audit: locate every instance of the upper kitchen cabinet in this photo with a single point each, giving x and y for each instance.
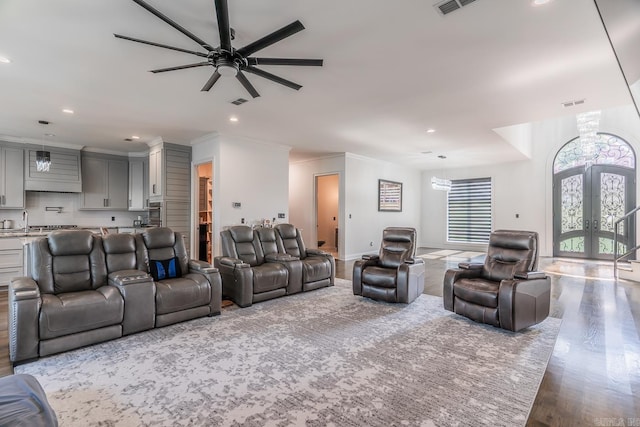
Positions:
(63, 176)
(169, 172)
(155, 173)
(138, 184)
(11, 178)
(104, 182)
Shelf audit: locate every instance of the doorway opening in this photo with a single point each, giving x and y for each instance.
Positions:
(327, 199)
(589, 195)
(204, 248)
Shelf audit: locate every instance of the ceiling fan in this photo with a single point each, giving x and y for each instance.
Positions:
(227, 60)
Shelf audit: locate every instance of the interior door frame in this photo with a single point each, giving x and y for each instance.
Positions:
(195, 214)
(341, 219)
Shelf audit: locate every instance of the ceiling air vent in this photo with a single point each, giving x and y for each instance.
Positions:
(239, 101)
(448, 6)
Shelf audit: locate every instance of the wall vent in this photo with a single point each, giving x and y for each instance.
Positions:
(572, 103)
(239, 101)
(448, 6)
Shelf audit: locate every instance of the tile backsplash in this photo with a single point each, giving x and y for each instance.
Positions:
(37, 203)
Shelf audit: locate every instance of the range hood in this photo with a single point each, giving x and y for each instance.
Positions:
(63, 177)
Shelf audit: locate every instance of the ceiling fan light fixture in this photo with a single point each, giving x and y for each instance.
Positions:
(227, 70)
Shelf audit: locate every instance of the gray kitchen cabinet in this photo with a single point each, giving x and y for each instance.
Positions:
(11, 178)
(104, 183)
(155, 173)
(63, 176)
(11, 259)
(138, 184)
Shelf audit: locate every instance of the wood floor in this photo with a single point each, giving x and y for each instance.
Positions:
(593, 376)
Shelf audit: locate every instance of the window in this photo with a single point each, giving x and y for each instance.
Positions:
(469, 210)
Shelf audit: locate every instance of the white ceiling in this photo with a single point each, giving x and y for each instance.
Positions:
(392, 69)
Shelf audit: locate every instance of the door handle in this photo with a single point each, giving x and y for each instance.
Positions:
(586, 224)
(595, 224)
(153, 189)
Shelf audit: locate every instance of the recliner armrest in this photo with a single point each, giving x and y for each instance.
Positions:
(280, 258)
(128, 277)
(470, 266)
(229, 261)
(317, 252)
(23, 288)
(370, 257)
(198, 266)
(414, 261)
(529, 275)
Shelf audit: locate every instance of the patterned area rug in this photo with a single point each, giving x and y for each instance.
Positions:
(322, 358)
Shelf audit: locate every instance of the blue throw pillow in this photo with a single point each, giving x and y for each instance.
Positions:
(165, 268)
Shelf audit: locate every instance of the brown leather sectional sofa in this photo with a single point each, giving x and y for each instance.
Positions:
(84, 289)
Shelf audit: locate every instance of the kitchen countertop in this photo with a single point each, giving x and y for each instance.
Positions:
(19, 232)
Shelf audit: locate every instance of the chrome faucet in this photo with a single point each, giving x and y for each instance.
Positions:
(25, 220)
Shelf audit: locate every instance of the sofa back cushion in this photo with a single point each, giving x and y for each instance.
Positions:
(267, 240)
(398, 245)
(510, 252)
(163, 243)
(290, 240)
(123, 251)
(68, 261)
(240, 241)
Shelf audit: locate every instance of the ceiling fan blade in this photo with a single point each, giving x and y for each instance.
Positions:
(272, 38)
(204, 55)
(212, 80)
(274, 78)
(174, 24)
(285, 61)
(180, 67)
(222, 13)
(247, 84)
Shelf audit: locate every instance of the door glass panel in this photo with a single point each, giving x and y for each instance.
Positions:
(574, 244)
(572, 204)
(605, 246)
(612, 207)
(609, 150)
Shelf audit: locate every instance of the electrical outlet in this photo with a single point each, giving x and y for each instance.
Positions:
(113, 218)
(241, 220)
(281, 215)
(370, 243)
(236, 204)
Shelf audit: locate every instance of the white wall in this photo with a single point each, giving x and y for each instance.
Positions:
(523, 187)
(364, 224)
(252, 173)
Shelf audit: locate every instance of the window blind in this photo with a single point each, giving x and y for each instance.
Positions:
(469, 210)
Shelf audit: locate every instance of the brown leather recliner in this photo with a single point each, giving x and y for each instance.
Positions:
(394, 275)
(248, 275)
(318, 267)
(187, 288)
(505, 291)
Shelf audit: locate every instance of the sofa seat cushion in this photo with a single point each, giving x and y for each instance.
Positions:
(269, 276)
(379, 276)
(315, 268)
(478, 291)
(188, 291)
(72, 312)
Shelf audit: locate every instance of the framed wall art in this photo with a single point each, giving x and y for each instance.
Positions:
(389, 196)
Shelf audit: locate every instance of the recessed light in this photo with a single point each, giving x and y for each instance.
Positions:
(539, 2)
(431, 130)
(233, 119)
(135, 137)
(128, 139)
(442, 156)
(67, 110)
(4, 60)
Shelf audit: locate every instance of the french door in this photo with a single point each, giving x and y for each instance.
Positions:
(587, 202)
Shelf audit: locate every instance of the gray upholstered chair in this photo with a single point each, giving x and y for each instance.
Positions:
(23, 403)
(247, 275)
(185, 288)
(66, 302)
(505, 291)
(395, 275)
(318, 267)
